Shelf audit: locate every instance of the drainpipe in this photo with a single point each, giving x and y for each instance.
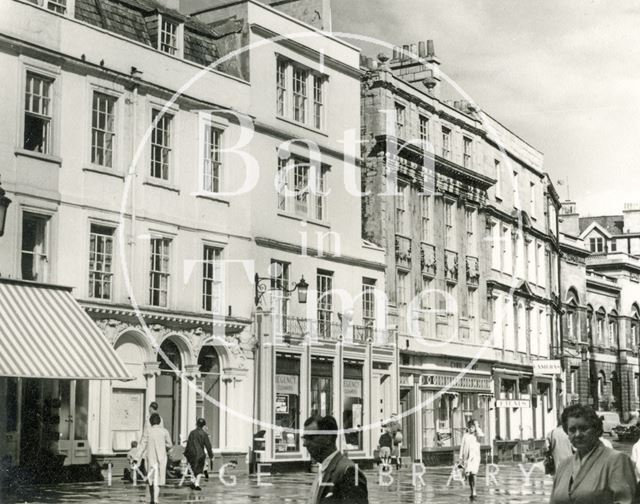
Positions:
(132, 236)
(559, 312)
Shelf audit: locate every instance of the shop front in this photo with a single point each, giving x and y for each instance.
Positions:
(525, 412)
(352, 382)
(442, 400)
(52, 352)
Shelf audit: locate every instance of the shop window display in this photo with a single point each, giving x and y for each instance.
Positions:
(352, 406)
(287, 404)
(445, 418)
(321, 387)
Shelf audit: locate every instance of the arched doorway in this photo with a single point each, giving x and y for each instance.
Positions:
(128, 411)
(169, 387)
(208, 390)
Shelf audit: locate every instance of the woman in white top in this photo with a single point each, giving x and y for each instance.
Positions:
(470, 455)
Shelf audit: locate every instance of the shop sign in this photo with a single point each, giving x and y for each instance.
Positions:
(512, 403)
(352, 388)
(287, 384)
(282, 403)
(459, 383)
(547, 367)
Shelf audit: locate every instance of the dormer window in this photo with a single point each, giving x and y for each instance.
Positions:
(170, 36)
(59, 6)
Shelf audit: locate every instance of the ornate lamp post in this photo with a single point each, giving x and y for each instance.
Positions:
(261, 287)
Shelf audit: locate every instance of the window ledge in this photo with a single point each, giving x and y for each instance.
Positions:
(302, 125)
(162, 184)
(315, 222)
(211, 197)
(104, 171)
(38, 155)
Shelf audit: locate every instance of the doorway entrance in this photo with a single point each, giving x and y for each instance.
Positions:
(73, 398)
(208, 391)
(52, 418)
(409, 446)
(169, 388)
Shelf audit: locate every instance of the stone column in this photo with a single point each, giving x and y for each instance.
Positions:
(192, 372)
(151, 370)
(104, 418)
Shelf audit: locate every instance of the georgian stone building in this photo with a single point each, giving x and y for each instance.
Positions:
(154, 173)
(467, 217)
(332, 355)
(115, 182)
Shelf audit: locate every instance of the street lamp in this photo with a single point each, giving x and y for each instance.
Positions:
(261, 287)
(4, 206)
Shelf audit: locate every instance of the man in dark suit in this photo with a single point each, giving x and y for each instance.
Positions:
(339, 481)
(196, 451)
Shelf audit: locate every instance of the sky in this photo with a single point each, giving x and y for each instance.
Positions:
(563, 75)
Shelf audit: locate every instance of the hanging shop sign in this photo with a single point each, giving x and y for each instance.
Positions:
(547, 367)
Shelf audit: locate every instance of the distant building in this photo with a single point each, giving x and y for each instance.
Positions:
(604, 325)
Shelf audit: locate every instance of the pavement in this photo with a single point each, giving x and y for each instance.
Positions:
(503, 483)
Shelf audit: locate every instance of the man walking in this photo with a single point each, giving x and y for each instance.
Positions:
(154, 448)
(197, 443)
(339, 480)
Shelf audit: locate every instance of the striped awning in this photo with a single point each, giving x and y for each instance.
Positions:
(45, 333)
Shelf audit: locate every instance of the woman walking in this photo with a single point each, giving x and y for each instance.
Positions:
(469, 457)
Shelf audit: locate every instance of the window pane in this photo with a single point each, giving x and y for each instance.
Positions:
(161, 146)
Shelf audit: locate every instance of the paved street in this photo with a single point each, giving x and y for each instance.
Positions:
(496, 484)
(510, 485)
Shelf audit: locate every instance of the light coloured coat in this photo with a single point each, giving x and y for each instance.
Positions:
(470, 453)
(154, 448)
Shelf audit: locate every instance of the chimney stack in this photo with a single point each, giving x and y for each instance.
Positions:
(422, 51)
(431, 53)
(631, 216)
(413, 51)
(416, 63)
(569, 218)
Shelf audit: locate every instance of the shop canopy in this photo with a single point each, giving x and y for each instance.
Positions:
(45, 333)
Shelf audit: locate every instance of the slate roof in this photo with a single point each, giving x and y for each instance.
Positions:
(614, 224)
(127, 18)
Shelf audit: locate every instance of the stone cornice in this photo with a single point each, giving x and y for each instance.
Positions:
(297, 249)
(172, 317)
(375, 80)
(308, 52)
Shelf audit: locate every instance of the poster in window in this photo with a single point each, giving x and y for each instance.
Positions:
(287, 384)
(352, 388)
(357, 415)
(126, 410)
(282, 403)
